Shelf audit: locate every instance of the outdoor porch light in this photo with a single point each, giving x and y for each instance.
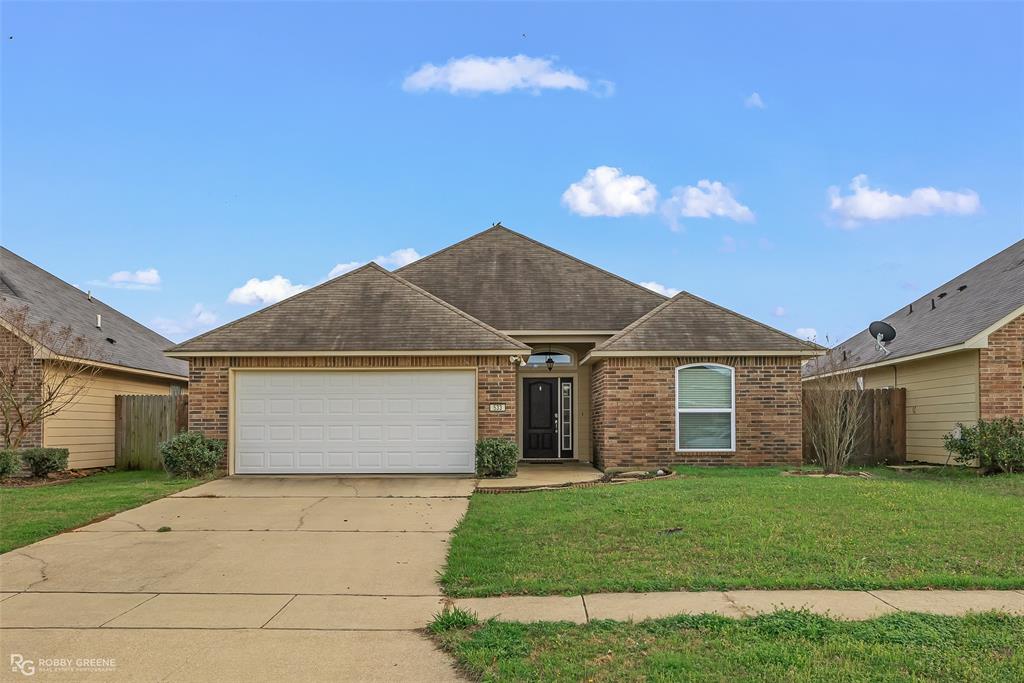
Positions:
(550, 362)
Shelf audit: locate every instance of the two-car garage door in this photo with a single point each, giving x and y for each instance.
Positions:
(401, 421)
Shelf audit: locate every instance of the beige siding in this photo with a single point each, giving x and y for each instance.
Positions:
(86, 428)
(941, 391)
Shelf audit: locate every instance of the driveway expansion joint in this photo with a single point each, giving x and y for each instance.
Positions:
(881, 599)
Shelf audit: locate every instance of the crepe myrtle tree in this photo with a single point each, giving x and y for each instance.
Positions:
(28, 394)
(833, 411)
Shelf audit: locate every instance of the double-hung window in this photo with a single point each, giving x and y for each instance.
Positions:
(705, 408)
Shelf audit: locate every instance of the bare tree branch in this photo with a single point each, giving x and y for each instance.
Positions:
(833, 414)
(31, 390)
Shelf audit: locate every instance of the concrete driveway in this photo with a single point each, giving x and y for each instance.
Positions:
(318, 578)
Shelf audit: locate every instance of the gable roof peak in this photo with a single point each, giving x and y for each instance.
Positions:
(688, 323)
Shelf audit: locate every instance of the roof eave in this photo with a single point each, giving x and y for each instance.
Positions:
(514, 351)
(675, 353)
(978, 341)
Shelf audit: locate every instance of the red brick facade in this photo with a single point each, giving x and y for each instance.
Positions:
(1001, 372)
(16, 353)
(634, 418)
(208, 385)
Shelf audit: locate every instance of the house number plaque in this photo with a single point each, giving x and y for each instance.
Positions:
(497, 408)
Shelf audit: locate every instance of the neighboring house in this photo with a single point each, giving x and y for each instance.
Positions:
(958, 351)
(128, 356)
(495, 336)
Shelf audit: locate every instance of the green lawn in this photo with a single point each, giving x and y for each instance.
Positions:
(33, 513)
(745, 528)
(785, 646)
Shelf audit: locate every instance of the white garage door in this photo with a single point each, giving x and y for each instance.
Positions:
(354, 422)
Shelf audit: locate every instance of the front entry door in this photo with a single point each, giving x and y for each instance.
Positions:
(541, 413)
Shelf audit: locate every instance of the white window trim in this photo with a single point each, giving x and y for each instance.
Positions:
(731, 411)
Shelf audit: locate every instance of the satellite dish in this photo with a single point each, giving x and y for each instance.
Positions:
(883, 333)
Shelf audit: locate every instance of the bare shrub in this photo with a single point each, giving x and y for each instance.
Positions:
(833, 412)
(26, 399)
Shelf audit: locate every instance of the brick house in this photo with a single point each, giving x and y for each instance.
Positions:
(495, 336)
(125, 357)
(958, 351)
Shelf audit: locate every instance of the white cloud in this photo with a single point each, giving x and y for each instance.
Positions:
(396, 259)
(199, 320)
(779, 311)
(660, 288)
(343, 268)
(808, 333)
(399, 258)
(705, 200)
(869, 204)
(754, 101)
(604, 191)
(472, 75)
(262, 292)
(148, 278)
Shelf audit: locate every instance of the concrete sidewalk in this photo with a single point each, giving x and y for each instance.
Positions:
(854, 605)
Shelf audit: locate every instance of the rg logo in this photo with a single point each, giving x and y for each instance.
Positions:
(26, 667)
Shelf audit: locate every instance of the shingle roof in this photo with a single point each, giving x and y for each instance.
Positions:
(515, 283)
(965, 306)
(368, 309)
(687, 323)
(48, 298)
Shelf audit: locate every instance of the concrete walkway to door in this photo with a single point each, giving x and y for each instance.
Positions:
(280, 578)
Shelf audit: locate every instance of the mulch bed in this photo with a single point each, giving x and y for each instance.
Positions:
(51, 479)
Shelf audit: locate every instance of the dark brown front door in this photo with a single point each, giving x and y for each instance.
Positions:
(541, 427)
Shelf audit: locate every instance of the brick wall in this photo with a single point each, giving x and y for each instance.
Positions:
(633, 412)
(16, 353)
(1001, 372)
(208, 385)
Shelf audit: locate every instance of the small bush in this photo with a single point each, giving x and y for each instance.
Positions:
(496, 457)
(42, 461)
(10, 463)
(998, 445)
(452, 618)
(191, 455)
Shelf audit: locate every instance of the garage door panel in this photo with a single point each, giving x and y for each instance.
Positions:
(366, 421)
(340, 406)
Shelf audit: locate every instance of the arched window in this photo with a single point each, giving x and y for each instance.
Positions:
(559, 358)
(705, 408)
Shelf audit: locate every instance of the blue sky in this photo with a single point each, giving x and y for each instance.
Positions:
(217, 144)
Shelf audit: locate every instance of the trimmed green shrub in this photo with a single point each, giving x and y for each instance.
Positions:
(10, 463)
(42, 461)
(998, 445)
(192, 455)
(496, 457)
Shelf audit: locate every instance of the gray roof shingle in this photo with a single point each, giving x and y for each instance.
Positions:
(965, 306)
(515, 283)
(368, 309)
(48, 298)
(687, 323)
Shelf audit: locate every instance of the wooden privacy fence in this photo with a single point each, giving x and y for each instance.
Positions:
(883, 435)
(141, 423)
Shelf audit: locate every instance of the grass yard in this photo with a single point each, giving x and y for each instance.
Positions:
(745, 528)
(784, 646)
(33, 513)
